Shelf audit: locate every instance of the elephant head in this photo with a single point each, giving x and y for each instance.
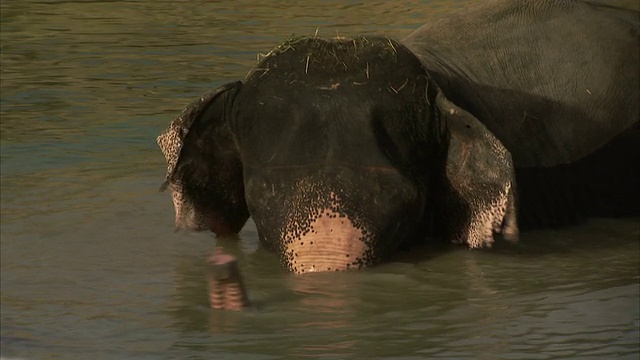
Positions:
(204, 170)
(341, 151)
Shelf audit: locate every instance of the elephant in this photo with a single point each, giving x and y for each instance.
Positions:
(499, 117)
(226, 287)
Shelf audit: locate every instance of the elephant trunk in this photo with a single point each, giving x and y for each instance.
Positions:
(226, 288)
(331, 242)
(333, 218)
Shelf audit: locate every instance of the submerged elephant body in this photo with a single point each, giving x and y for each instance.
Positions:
(343, 150)
(557, 82)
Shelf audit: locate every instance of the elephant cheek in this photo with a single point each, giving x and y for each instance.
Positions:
(331, 242)
(186, 216)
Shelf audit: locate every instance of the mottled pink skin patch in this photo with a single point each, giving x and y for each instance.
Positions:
(331, 243)
(226, 288)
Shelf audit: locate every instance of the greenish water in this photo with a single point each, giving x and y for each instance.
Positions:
(91, 267)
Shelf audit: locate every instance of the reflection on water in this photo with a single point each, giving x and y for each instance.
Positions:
(91, 266)
(576, 299)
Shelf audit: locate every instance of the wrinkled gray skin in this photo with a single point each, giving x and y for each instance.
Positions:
(505, 115)
(557, 83)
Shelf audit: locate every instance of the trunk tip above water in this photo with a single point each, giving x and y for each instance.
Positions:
(226, 288)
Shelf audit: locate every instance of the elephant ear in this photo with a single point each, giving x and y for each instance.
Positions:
(204, 170)
(479, 199)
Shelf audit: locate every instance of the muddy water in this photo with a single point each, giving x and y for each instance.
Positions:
(91, 267)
